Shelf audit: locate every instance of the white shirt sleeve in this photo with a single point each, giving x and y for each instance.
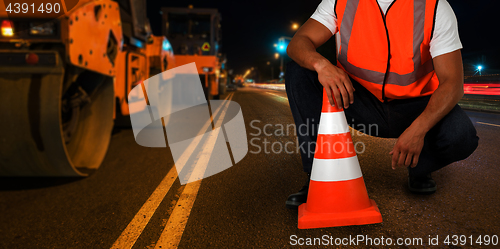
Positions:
(325, 14)
(445, 38)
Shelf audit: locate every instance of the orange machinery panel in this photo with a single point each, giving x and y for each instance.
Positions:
(201, 61)
(92, 27)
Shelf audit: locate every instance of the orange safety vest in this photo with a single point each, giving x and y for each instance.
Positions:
(388, 54)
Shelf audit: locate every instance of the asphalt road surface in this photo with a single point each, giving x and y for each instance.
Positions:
(135, 200)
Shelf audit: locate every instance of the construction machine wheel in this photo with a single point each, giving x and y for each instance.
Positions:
(52, 129)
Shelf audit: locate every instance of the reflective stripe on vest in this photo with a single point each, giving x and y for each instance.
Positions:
(392, 78)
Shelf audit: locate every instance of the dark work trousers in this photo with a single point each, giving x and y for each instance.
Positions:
(452, 139)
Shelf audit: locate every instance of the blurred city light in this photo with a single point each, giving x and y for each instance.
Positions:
(295, 26)
(282, 45)
(247, 72)
(276, 55)
(479, 68)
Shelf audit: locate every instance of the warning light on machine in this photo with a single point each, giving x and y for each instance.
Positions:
(205, 47)
(7, 28)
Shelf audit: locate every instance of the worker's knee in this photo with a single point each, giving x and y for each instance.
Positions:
(464, 141)
(458, 139)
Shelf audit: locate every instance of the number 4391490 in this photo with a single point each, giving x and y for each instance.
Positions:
(31, 8)
(485, 240)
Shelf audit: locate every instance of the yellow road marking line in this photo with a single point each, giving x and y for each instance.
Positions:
(172, 233)
(488, 124)
(135, 228)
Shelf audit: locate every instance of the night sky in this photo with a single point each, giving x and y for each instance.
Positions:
(250, 28)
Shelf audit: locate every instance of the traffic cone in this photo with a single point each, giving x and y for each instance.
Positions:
(337, 193)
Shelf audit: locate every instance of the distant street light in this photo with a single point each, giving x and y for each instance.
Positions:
(246, 73)
(282, 45)
(479, 68)
(276, 55)
(295, 26)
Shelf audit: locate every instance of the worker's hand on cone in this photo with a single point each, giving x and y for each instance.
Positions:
(408, 147)
(336, 83)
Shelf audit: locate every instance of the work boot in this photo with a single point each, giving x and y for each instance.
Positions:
(295, 200)
(423, 185)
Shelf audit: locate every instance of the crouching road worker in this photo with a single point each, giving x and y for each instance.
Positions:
(399, 71)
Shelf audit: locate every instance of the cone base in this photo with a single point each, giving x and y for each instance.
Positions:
(366, 216)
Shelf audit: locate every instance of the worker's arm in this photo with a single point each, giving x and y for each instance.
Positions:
(449, 70)
(302, 49)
